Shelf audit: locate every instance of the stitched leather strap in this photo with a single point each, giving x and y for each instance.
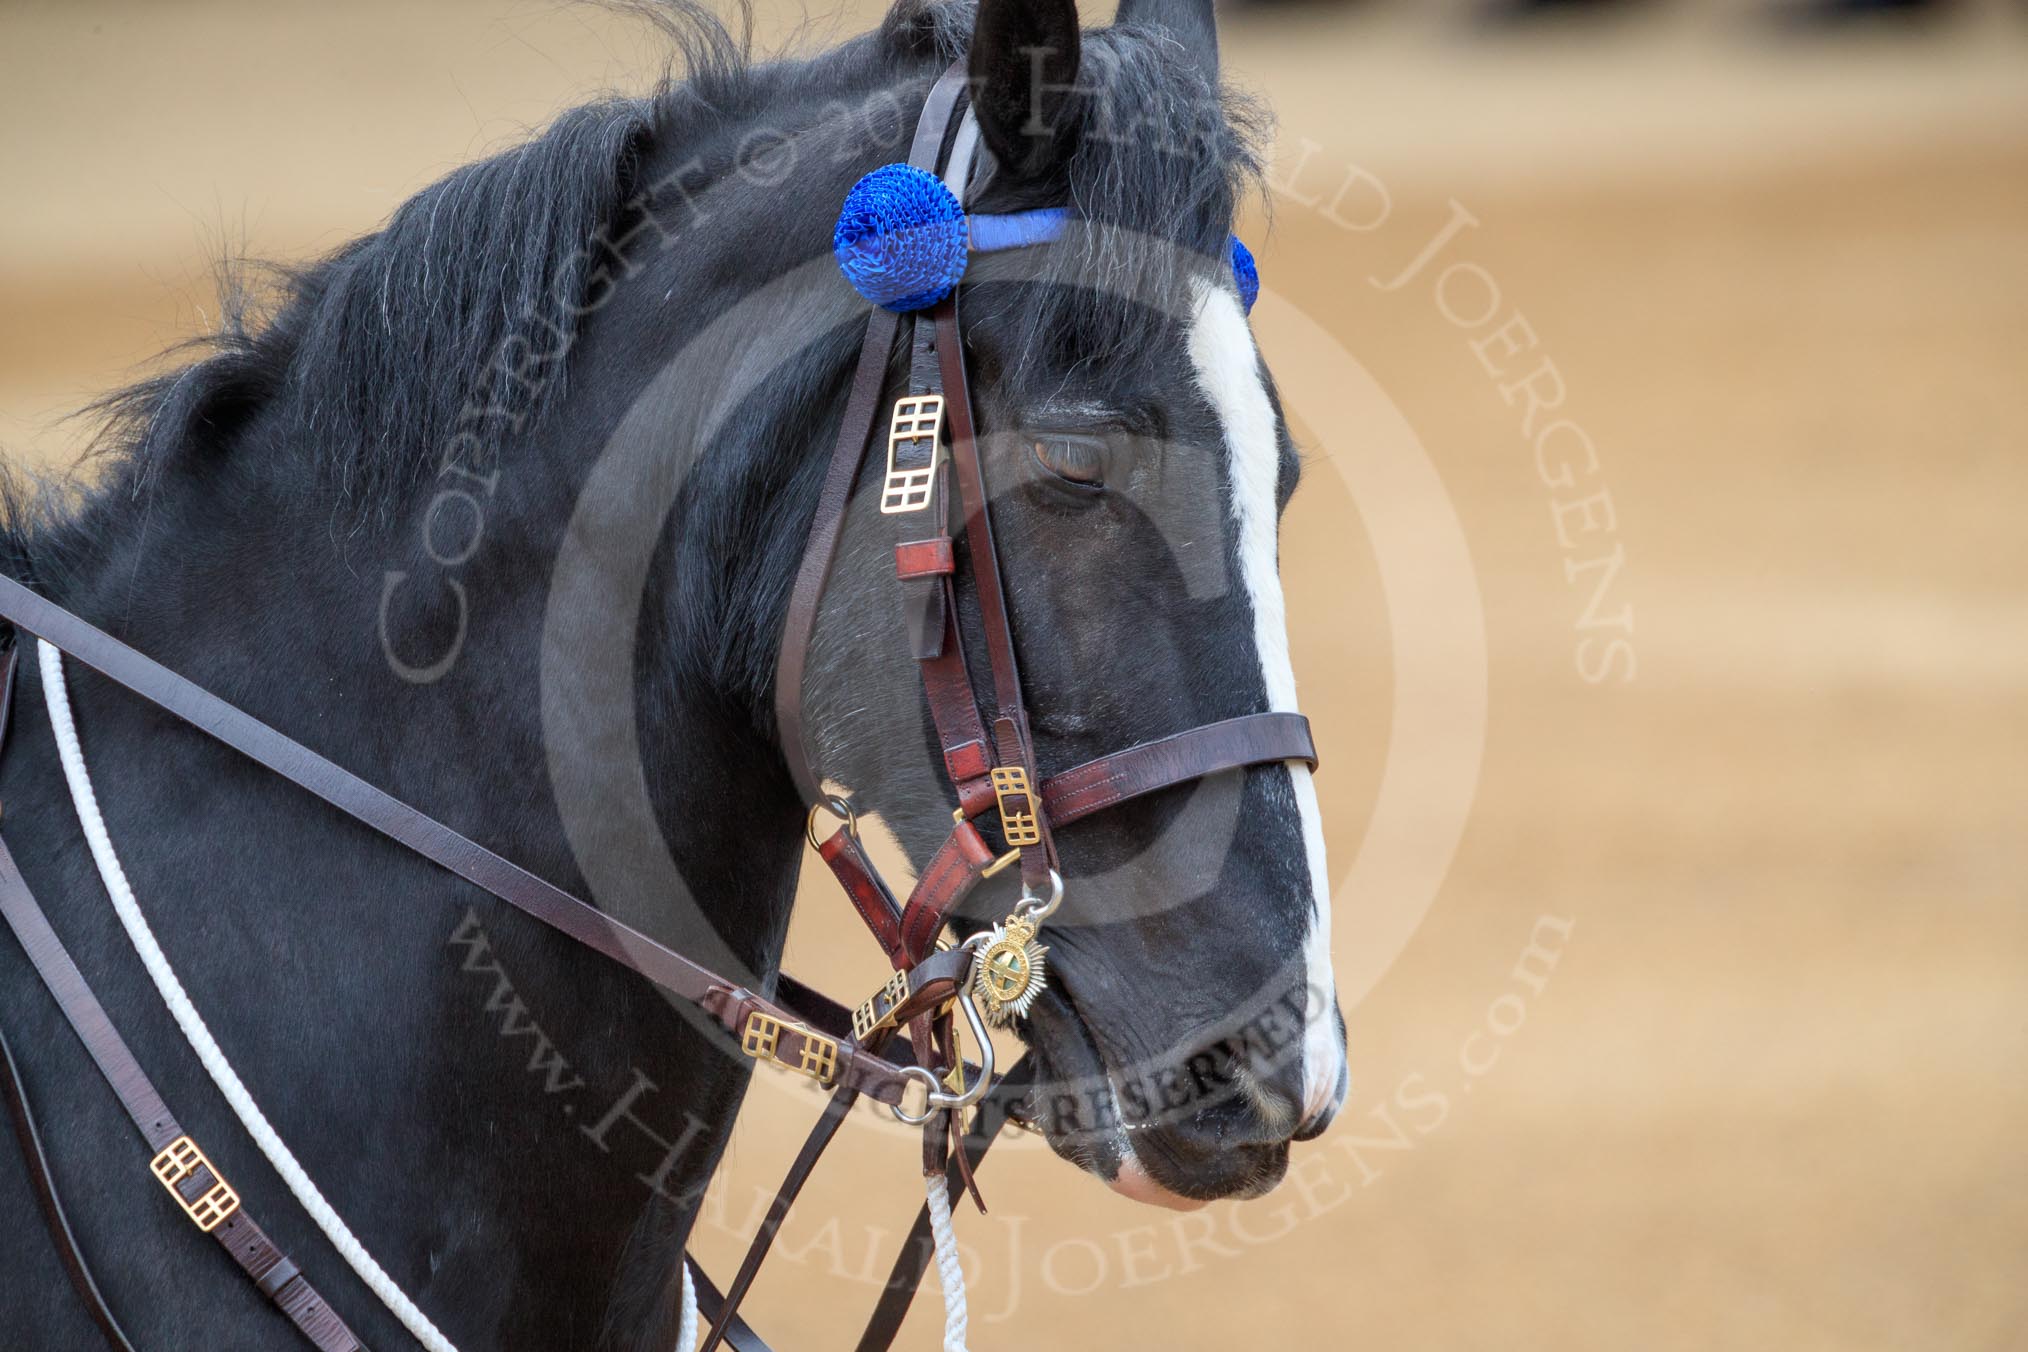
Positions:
(1012, 742)
(1252, 739)
(847, 860)
(954, 710)
(950, 874)
(257, 1255)
(862, 411)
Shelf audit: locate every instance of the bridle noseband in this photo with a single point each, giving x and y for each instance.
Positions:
(933, 471)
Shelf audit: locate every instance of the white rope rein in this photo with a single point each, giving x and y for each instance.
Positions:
(949, 1273)
(192, 1023)
(57, 695)
(686, 1325)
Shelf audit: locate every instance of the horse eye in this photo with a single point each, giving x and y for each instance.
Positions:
(1081, 460)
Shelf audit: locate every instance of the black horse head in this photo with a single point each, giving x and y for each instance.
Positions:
(500, 506)
(1139, 465)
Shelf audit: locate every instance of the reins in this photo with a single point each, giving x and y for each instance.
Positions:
(905, 1036)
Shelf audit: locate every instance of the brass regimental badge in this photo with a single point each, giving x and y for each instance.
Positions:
(1007, 973)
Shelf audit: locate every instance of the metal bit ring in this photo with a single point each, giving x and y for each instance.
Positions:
(930, 1086)
(1034, 907)
(940, 1100)
(838, 808)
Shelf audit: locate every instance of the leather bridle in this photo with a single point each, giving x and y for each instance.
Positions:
(934, 471)
(989, 759)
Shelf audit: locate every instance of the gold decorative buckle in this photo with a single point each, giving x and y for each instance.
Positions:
(917, 417)
(1017, 806)
(179, 1160)
(762, 1032)
(870, 1017)
(820, 1058)
(762, 1041)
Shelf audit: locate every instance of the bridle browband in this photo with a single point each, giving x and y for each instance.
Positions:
(933, 469)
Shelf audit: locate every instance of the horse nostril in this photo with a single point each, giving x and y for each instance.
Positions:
(1221, 1093)
(1204, 1160)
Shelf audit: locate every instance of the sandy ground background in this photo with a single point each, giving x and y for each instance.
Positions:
(1763, 1086)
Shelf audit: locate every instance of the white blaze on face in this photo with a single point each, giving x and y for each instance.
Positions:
(1228, 371)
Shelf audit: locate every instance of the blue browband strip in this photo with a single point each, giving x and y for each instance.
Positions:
(1017, 229)
(903, 239)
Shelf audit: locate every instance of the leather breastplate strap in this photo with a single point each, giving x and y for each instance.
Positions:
(821, 1043)
(741, 1012)
(181, 1167)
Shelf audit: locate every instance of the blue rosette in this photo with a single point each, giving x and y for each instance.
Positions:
(901, 238)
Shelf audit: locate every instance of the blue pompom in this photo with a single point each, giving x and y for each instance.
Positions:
(901, 238)
(1245, 274)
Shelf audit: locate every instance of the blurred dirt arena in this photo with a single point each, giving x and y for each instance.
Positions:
(1712, 1031)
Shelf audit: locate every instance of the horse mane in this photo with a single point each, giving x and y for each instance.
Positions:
(386, 342)
(381, 350)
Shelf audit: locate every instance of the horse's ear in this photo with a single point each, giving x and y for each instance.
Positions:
(1189, 20)
(1024, 82)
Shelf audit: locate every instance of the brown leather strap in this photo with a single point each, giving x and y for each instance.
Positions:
(916, 995)
(281, 1282)
(736, 1333)
(952, 872)
(806, 1159)
(929, 987)
(924, 558)
(67, 1247)
(236, 1233)
(954, 710)
(862, 411)
(81, 1007)
(863, 887)
(923, 567)
(729, 1004)
(1252, 739)
(1012, 743)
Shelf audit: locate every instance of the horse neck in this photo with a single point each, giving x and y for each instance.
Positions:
(460, 687)
(487, 1038)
